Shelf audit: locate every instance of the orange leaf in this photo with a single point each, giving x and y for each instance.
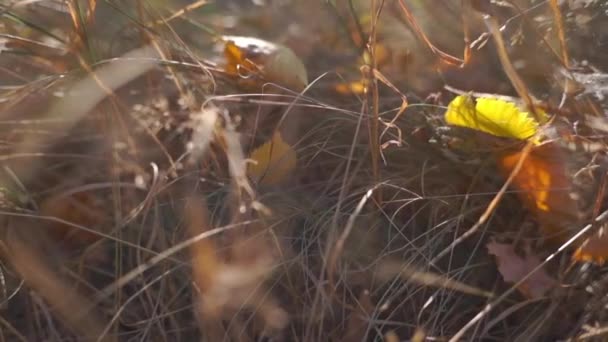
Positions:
(594, 249)
(543, 185)
(268, 61)
(234, 57)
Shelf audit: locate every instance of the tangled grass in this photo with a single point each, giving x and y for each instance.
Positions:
(128, 212)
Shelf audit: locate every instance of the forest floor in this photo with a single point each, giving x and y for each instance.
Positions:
(303, 170)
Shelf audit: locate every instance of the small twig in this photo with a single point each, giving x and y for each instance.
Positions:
(182, 11)
(375, 104)
(466, 17)
(445, 57)
(518, 83)
(360, 32)
(404, 104)
(559, 25)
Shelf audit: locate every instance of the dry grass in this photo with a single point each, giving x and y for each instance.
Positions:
(128, 212)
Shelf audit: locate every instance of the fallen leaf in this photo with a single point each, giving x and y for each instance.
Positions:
(544, 184)
(593, 249)
(514, 268)
(545, 187)
(272, 162)
(273, 62)
(534, 180)
(234, 58)
(494, 116)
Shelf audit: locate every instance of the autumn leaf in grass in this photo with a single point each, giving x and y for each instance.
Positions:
(234, 58)
(272, 162)
(542, 170)
(544, 183)
(544, 186)
(493, 116)
(594, 249)
(272, 62)
(514, 268)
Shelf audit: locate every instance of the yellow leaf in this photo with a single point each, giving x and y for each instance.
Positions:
(276, 63)
(493, 116)
(234, 57)
(274, 161)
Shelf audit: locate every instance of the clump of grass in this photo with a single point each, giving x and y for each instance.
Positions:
(128, 211)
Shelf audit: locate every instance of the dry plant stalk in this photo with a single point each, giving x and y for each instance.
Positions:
(80, 22)
(561, 35)
(181, 12)
(509, 69)
(445, 57)
(372, 84)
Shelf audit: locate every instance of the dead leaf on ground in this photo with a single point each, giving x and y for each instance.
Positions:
(274, 161)
(513, 268)
(594, 249)
(544, 186)
(275, 63)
